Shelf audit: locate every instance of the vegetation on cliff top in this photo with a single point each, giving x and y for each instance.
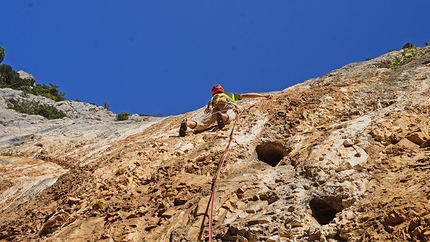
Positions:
(11, 79)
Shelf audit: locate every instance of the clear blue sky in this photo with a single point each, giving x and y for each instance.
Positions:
(159, 56)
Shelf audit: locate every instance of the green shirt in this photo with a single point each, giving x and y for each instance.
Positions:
(231, 97)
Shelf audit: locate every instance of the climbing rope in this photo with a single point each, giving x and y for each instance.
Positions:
(215, 178)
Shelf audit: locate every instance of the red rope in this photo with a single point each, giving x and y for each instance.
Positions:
(224, 156)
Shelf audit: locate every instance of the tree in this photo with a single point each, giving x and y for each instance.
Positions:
(10, 78)
(1, 54)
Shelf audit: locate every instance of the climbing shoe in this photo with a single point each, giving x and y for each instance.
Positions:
(183, 128)
(220, 120)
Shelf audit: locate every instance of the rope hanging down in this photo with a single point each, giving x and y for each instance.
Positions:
(224, 156)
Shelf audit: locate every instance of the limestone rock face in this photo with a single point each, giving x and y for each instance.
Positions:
(342, 157)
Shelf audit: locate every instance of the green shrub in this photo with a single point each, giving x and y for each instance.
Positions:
(10, 79)
(1, 54)
(50, 91)
(120, 171)
(50, 112)
(98, 205)
(10, 153)
(407, 55)
(122, 116)
(408, 45)
(32, 108)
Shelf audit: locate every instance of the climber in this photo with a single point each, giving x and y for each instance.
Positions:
(221, 109)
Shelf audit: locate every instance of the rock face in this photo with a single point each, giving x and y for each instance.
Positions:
(25, 75)
(342, 157)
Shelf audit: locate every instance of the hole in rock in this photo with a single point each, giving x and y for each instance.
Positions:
(270, 152)
(324, 209)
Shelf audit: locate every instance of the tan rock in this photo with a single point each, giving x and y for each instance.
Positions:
(202, 206)
(415, 138)
(345, 163)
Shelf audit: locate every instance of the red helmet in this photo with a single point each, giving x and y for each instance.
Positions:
(217, 89)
